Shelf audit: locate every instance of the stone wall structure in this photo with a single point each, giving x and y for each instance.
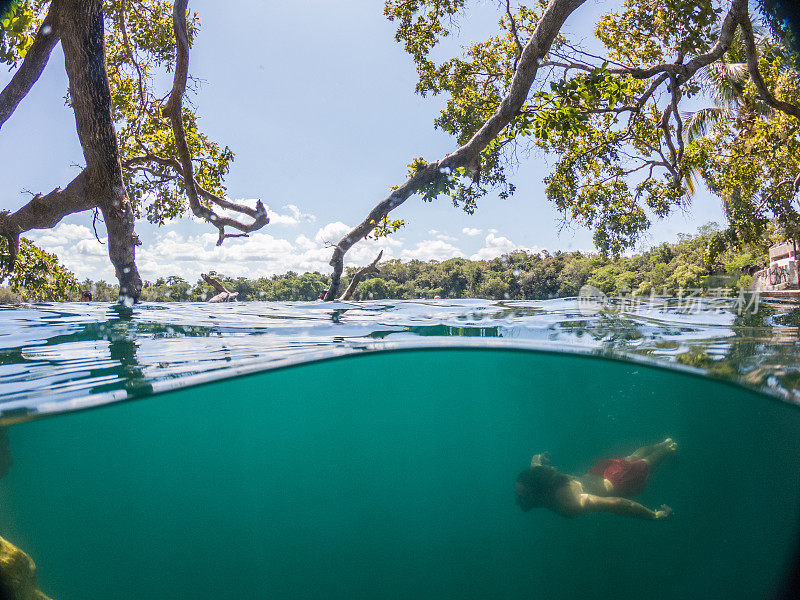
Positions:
(783, 272)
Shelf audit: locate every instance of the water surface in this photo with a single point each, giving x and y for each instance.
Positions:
(55, 357)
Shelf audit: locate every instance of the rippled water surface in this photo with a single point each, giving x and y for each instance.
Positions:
(55, 357)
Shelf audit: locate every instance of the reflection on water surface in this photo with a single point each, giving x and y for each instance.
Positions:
(57, 356)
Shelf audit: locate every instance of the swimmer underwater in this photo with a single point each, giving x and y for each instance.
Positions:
(607, 486)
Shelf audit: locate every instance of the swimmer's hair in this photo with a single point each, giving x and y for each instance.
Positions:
(536, 486)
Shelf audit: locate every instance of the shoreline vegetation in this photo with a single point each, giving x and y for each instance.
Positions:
(664, 269)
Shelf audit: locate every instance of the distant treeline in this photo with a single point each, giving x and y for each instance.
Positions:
(665, 269)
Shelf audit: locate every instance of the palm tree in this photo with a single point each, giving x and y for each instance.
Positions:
(725, 82)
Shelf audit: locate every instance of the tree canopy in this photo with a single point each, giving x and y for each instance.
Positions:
(38, 274)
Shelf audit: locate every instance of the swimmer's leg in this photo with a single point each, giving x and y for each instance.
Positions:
(653, 455)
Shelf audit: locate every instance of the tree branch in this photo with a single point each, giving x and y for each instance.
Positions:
(32, 66)
(513, 26)
(126, 41)
(44, 212)
(173, 109)
(684, 72)
(223, 293)
(138, 162)
(534, 51)
(370, 268)
(755, 74)
(794, 183)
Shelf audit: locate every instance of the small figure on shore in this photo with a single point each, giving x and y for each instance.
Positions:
(606, 487)
(86, 296)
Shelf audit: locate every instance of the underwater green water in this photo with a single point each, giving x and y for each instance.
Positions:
(391, 475)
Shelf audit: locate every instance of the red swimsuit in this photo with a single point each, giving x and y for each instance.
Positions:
(628, 478)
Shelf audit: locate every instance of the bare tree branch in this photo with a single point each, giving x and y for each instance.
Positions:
(604, 59)
(513, 25)
(370, 268)
(223, 293)
(173, 109)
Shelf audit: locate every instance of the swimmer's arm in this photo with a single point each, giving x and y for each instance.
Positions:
(621, 506)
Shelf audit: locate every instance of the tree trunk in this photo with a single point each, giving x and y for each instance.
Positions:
(79, 26)
(84, 51)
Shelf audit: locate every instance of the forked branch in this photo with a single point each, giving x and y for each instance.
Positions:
(370, 268)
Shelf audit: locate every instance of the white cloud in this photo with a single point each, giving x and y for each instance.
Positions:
(63, 233)
(305, 243)
(440, 235)
(91, 248)
(171, 252)
(432, 250)
(472, 231)
(496, 246)
(294, 216)
(77, 248)
(331, 233)
(260, 254)
(300, 216)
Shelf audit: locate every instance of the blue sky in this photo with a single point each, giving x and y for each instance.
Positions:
(317, 100)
